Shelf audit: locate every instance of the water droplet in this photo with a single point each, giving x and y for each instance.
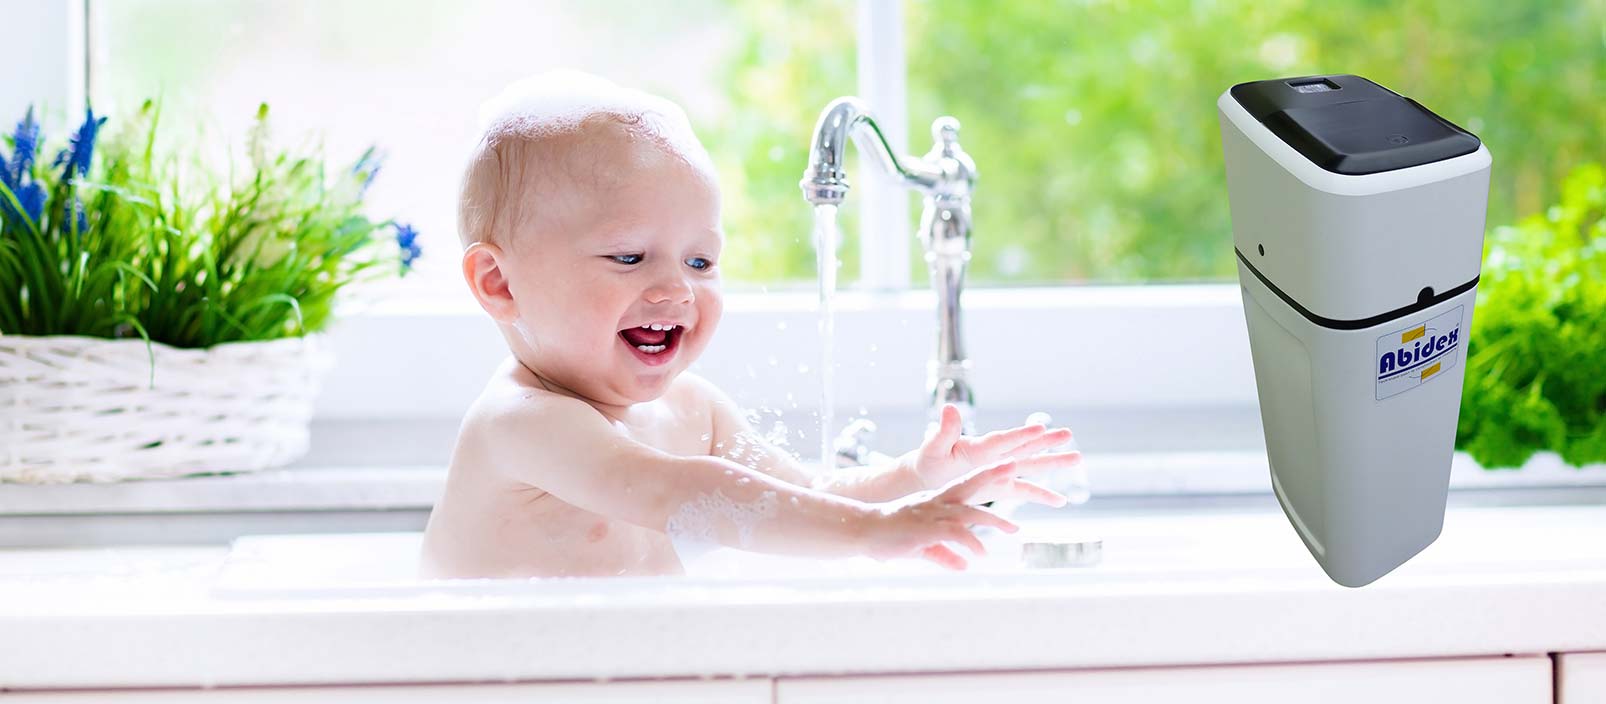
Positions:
(873, 347)
(707, 437)
(781, 325)
(774, 362)
(729, 472)
(802, 368)
(794, 501)
(744, 481)
(864, 411)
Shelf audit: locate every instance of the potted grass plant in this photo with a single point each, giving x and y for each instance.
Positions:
(159, 316)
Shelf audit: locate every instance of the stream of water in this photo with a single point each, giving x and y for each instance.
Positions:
(825, 245)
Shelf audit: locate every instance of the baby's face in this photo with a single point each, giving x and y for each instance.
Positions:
(635, 242)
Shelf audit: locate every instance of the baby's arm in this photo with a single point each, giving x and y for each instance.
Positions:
(735, 439)
(941, 458)
(565, 447)
(568, 449)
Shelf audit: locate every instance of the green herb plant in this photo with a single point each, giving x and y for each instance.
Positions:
(1536, 359)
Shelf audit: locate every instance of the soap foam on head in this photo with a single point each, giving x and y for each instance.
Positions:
(544, 110)
(561, 100)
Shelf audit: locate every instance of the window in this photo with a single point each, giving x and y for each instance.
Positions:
(1091, 122)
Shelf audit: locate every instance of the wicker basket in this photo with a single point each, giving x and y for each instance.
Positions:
(90, 409)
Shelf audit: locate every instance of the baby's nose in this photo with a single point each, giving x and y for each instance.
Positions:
(675, 291)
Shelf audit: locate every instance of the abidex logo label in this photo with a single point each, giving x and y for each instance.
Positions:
(1410, 357)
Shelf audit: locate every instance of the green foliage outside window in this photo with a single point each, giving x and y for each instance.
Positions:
(1093, 123)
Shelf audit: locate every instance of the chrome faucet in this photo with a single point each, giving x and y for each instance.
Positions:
(945, 175)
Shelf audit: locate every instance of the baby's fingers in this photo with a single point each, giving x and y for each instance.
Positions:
(981, 517)
(949, 427)
(959, 533)
(1051, 461)
(1036, 494)
(1019, 490)
(1001, 442)
(965, 487)
(943, 555)
(1041, 443)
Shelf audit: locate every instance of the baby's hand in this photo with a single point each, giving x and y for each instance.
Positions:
(946, 454)
(921, 524)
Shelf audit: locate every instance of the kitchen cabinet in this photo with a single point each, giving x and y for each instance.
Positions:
(1524, 679)
(1580, 678)
(748, 691)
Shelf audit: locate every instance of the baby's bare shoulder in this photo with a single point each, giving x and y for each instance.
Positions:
(692, 391)
(509, 418)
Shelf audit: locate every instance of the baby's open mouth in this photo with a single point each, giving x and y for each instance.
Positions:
(650, 342)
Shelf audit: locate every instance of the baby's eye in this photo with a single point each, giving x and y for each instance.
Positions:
(707, 264)
(620, 257)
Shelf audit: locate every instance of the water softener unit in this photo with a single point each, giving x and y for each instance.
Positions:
(1358, 222)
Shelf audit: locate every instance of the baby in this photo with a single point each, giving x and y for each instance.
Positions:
(591, 219)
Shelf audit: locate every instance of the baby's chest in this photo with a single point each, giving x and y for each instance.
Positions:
(549, 537)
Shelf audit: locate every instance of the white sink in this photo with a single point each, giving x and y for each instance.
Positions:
(1138, 551)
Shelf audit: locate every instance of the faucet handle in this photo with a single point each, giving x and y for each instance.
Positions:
(957, 169)
(945, 132)
(852, 445)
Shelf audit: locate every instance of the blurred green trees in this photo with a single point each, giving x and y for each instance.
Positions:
(1093, 122)
(1094, 126)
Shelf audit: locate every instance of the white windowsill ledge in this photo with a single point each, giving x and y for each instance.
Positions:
(1049, 348)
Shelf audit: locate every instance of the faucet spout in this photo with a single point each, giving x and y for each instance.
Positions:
(945, 175)
(825, 181)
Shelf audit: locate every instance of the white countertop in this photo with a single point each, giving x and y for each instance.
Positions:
(1174, 588)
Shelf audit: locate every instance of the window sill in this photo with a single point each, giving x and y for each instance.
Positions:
(1048, 349)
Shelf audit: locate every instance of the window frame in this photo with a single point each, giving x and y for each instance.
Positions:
(1064, 349)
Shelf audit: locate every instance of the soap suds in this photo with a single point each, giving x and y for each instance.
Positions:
(695, 523)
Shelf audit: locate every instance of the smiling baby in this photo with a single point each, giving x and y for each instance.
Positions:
(590, 216)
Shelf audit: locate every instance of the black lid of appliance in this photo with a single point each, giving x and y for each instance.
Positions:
(1349, 125)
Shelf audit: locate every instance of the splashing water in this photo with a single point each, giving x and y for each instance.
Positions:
(825, 244)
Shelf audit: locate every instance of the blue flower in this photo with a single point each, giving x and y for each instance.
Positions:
(81, 146)
(26, 142)
(16, 173)
(32, 197)
(407, 240)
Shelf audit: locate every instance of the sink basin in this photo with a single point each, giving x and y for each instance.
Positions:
(1139, 551)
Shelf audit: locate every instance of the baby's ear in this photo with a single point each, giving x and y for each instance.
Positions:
(482, 269)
